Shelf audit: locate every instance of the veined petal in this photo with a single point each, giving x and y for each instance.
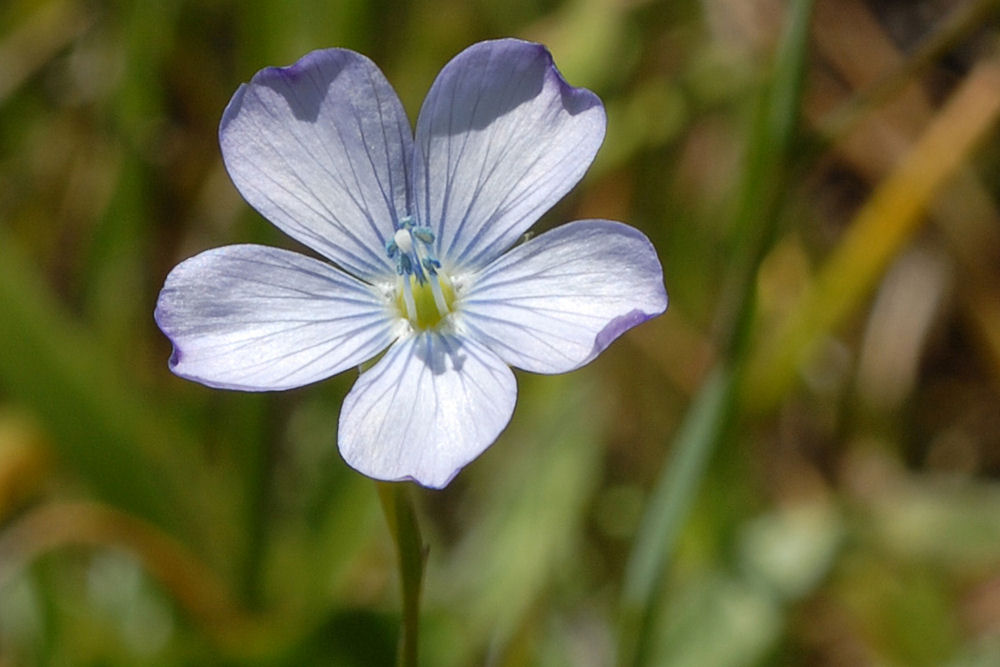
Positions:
(258, 319)
(501, 137)
(431, 405)
(557, 301)
(322, 149)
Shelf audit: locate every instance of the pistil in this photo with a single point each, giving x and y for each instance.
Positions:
(418, 270)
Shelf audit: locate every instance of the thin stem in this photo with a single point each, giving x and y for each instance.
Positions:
(401, 516)
(714, 410)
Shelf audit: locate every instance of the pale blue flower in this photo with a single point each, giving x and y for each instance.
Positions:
(420, 235)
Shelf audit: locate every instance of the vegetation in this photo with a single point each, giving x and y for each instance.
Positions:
(797, 464)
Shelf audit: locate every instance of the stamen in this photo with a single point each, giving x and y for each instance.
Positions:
(411, 305)
(439, 301)
(412, 248)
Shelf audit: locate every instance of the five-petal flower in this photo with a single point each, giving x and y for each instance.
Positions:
(420, 232)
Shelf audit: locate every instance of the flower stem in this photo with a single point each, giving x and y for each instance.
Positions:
(401, 516)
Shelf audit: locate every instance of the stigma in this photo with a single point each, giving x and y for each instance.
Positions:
(423, 293)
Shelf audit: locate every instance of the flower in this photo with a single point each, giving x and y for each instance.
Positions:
(419, 230)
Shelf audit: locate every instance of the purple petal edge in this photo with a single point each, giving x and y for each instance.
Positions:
(617, 327)
(500, 138)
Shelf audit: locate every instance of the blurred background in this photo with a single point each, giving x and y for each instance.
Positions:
(797, 464)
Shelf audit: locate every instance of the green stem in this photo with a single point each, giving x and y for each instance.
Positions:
(714, 410)
(704, 425)
(401, 516)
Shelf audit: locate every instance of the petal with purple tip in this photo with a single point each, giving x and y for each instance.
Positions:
(501, 137)
(322, 149)
(555, 302)
(259, 319)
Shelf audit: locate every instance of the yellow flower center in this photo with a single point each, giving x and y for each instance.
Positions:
(424, 296)
(427, 311)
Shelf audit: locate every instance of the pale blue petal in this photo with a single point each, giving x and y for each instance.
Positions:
(258, 319)
(322, 149)
(501, 137)
(557, 301)
(431, 405)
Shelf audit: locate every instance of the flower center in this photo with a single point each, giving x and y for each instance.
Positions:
(423, 294)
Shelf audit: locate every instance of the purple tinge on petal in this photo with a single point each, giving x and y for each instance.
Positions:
(617, 327)
(258, 319)
(555, 302)
(427, 408)
(323, 150)
(500, 138)
(175, 357)
(316, 69)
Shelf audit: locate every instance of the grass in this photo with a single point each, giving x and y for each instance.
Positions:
(756, 477)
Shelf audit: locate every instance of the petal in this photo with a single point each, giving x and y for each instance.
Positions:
(557, 301)
(257, 318)
(501, 138)
(322, 149)
(431, 405)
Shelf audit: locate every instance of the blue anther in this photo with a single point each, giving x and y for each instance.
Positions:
(423, 234)
(416, 261)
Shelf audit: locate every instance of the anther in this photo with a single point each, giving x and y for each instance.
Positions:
(424, 235)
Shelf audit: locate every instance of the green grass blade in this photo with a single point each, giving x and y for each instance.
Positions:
(715, 405)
